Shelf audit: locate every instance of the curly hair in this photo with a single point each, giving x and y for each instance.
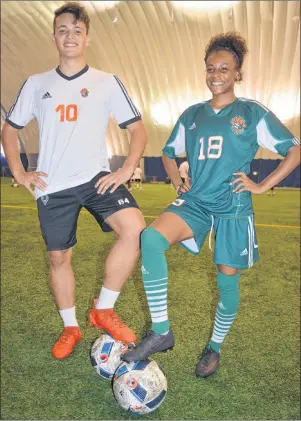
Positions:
(79, 12)
(232, 42)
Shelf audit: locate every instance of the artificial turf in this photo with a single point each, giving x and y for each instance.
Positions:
(259, 373)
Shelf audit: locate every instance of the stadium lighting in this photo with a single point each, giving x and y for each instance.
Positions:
(109, 152)
(102, 5)
(166, 112)
(285, 105)
(195, 6)
(161, 113)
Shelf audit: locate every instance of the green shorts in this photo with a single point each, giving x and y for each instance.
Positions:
(235, 238)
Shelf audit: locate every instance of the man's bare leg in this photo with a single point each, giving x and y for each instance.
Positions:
(119, 265)
(63, 288)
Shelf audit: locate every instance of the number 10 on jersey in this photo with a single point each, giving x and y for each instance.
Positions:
(67, 112)
(214, 149)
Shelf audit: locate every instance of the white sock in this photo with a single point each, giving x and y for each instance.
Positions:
(68, 316)
(107, 298)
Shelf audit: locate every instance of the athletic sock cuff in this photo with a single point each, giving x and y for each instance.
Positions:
(150, 236)
(227, 280)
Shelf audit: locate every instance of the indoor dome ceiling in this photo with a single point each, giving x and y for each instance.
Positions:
(156, 48)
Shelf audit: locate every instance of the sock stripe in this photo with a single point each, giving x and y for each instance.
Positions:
(157, 303)
(158, 308)
(227, 307)
(155, 298)
(223, 325)
(220, 332)
(155, 286)
(218, 335)
(157, 314)
(157, 291)
(155, 280)
(159, 319)
(221, 329)
(225, 315)
(217, 339)
(155, 277)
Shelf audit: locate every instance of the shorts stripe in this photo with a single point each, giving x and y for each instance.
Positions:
(251, 240)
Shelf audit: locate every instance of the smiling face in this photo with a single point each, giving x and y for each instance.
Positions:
(70, 36)
(221, 72)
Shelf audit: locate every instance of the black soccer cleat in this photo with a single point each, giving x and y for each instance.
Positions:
(208, 363)
(152, 342)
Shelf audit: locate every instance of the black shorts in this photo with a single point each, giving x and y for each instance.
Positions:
(59, 211)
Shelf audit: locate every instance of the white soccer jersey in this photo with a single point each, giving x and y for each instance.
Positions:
(72, 114)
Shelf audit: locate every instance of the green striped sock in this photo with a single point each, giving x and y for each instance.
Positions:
(155, 277)
(226, 309)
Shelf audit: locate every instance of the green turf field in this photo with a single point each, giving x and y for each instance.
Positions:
(259, 374)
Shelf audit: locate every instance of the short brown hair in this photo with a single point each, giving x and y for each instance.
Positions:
(79, 12)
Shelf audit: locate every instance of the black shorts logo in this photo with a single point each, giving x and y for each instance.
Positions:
(45, 199)
(123, 201)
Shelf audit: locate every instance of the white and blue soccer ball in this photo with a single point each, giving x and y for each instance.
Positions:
(105, 355)
(139, 387)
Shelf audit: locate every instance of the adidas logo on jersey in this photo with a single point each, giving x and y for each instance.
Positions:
(193, 126)
(244, 252)
(144, 271)
(221, 305)
(47, 95)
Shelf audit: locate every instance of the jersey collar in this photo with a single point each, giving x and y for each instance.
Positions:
(224, 111)
(84, 70)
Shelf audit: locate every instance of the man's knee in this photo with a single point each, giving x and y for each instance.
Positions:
(153, 241)
(58, 258)
(128, 225)
(132, 235)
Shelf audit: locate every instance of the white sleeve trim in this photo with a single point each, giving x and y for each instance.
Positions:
(179, 141)
(264, 138)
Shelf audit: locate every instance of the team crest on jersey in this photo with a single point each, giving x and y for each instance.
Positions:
(84, 92)
(238, 124)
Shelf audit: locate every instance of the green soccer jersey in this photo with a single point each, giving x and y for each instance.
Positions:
(218, 144)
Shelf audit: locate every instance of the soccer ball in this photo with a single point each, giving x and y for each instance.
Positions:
(139, 387)
(105, 355)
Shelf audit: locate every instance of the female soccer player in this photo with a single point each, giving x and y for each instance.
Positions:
(220, 137)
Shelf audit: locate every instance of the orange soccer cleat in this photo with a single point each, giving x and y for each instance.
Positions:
(66, 342)
(108, 320)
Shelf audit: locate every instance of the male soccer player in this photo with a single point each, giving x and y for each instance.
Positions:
(72, 105)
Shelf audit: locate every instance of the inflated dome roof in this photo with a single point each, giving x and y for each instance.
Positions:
(157, 49)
